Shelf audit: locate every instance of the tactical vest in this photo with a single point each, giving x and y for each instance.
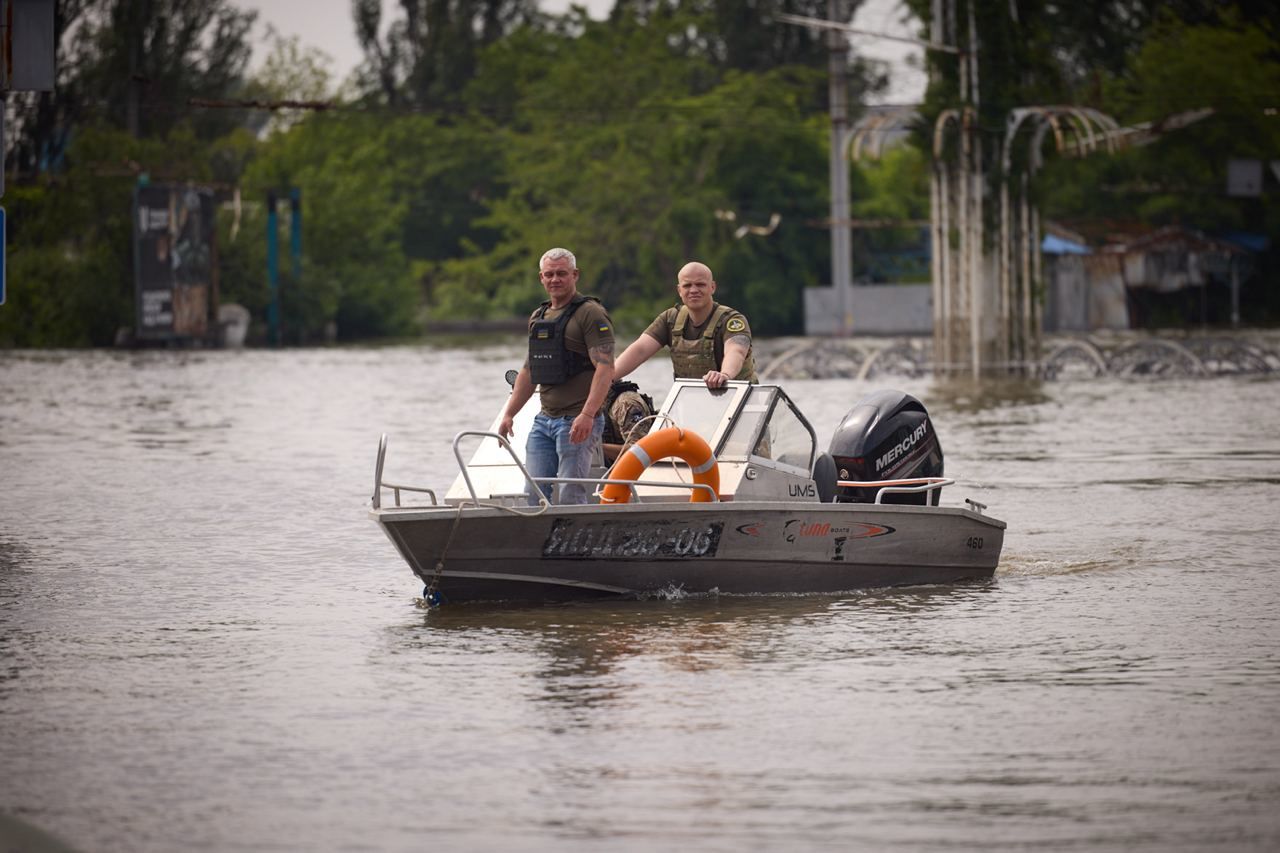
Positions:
(692, 359)
(612, 433)
(550, 361)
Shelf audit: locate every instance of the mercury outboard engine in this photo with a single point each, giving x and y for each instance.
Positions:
(886, 436)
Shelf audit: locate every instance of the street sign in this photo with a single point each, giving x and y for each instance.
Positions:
(28, 46)
(1244, 178)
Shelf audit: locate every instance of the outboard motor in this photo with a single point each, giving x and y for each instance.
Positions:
(886, 436)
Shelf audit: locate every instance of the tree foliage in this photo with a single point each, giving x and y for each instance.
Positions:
(429, 55)
(483, 132)
(120, 112)
(142, 60)
(1139, 61)
(739, 34)
(630, 171)
(1231, 66)
(70, 273)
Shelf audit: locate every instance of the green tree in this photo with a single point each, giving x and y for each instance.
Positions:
(738, 34)
(44, 120)
(385, 197)
(126, 70)
(427, 57)
(70, 275)
(629, 171)
(894, 188)
(139, 61)
(1231, 66)
(291, 72)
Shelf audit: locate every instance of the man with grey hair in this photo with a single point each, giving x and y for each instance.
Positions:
(570, 362)
(708, 341)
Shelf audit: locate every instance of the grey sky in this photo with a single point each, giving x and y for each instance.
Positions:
(327, 25)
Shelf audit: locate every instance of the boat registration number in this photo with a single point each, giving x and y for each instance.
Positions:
(645, 540)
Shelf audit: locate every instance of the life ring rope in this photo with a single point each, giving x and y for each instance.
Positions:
(671, 441)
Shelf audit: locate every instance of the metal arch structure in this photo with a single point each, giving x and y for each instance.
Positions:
(962, 337)
(833, 358)
(1074, 357)
(1156, 357)
(903, 358)
(1232, 356)
(873, 134)
(986, 301)
(1077, 131)
(987, 309)
(955, 195)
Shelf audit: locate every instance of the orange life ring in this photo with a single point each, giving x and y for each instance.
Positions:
(672, 441)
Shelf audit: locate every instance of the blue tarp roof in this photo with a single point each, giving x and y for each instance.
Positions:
(1058, 246)
(1246, 240)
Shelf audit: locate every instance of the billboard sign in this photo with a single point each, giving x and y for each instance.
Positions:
(173, 261)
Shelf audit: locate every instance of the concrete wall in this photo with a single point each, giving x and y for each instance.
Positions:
(1085, 293)
(876, 309)
(1066, 306)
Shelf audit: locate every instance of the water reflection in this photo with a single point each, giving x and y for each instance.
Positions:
(217, 629)
(968, 396)
(581, 649)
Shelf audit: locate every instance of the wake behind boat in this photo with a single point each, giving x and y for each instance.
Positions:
(754, 508)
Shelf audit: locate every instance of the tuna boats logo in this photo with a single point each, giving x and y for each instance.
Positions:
(795, 528)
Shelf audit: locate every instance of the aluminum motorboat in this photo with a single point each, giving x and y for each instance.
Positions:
(767, 512)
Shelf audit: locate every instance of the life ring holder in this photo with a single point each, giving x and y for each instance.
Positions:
(669, 441)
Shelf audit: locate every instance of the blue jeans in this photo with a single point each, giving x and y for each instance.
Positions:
(550, 453)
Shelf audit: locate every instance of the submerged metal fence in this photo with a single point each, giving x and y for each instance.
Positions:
(1123, 355)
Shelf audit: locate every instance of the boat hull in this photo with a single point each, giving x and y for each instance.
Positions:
(586, 552)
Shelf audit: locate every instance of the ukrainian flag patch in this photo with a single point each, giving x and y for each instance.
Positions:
(604, 328)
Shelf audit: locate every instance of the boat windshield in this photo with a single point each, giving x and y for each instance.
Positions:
(704, 410)
(770, 427)
(742, 421)
(787, 437)
(742, 437)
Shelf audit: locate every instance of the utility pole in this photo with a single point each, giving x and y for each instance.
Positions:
(838, 104)
(836, 25)
(273, 271)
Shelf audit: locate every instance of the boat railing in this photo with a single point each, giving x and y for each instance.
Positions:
(543, 503)
(379, 484)
(631, 484)
(883, 487)
(397, 489)
(535, 482)
(889, 487)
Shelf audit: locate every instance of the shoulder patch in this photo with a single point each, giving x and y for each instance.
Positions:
(604, 327)
(737, 324)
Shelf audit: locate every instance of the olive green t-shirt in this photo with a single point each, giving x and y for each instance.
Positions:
(589, 326)
(660, 329)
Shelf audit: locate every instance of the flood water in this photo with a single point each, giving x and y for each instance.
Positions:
(205, 644)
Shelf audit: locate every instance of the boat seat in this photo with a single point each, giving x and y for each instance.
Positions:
(824, 477)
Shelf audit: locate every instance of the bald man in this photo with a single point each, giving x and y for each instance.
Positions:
(708, 341)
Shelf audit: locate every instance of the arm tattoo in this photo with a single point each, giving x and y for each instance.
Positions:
(602, 354)
(741, 340)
